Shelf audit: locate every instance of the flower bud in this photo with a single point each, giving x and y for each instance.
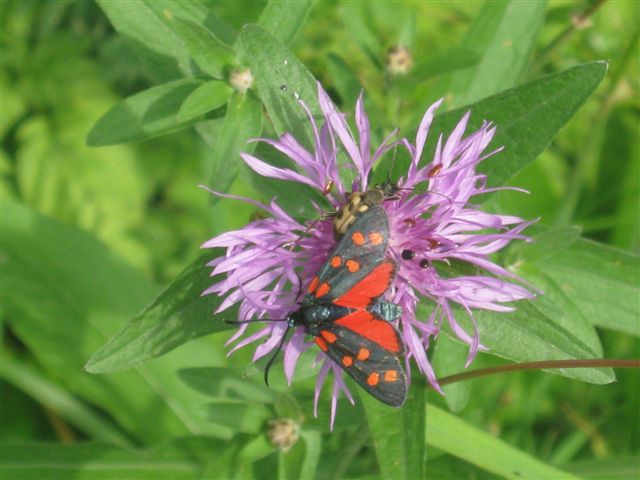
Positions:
(283, 433)
(398, 60)
(241, 79)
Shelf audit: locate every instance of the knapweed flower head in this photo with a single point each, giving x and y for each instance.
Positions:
(269, 263)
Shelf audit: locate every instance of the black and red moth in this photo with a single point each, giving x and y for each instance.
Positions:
(344, 313)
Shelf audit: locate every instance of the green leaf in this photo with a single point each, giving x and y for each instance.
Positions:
(398, 435)
(147, 25)
(452, 435)
(279, 79)
(203, 99)
(527, 117)
(441, 63)
(603, 281)
(226, 382)
(503, 35)
(547, 328)
(145, 29)
(285, 18)
(84, 293)
(449, 358)
(144, 115)
(238, 417)
(242, 123)
(210, 54)
(625, 175)
(180, 313)
(360, 24)
(612, 467)
(546, 242)
(343, 78)
(180, 459)
(313, 453)
(289, 194)
(58, 400)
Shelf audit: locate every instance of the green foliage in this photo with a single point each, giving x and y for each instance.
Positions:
(95, 240)
(503, 34)
(398, 435)
(452, 435)
(147, 114)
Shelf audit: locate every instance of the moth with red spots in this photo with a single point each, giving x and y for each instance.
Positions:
(344, 312)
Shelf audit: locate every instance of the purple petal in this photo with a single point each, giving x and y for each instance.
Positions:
(267, 170)
(292, 353)
(423, 130)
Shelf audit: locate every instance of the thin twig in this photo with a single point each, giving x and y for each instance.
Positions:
(578, 22)
(545, 364)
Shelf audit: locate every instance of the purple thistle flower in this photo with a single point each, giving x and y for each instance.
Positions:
(262, 272)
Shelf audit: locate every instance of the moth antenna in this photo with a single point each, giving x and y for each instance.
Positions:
(255, 320)
(274, 356)
(306, 231)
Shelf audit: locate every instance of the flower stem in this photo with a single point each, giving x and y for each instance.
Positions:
(577, 22)
(516, 367)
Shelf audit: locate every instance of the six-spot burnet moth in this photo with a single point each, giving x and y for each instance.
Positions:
(344, 313)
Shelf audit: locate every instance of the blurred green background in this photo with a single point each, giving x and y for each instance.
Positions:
(63, 66)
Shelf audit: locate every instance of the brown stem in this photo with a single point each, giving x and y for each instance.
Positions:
(516, 367)
(577, 22)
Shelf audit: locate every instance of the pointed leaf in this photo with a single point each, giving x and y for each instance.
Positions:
(212, 56)
(503, 35)
(398, 435)
(179, 314)
(439, 64)
(144, 115)
(343, 78)
(147, 25)
(456, 437)
(449, 358)
(279, 79)
(180, 459)
(546, 242)
(285, 18)
(527, 118)
(65, 294)
(603, 281)
(205, 98)
(242, 123)
(60, 401)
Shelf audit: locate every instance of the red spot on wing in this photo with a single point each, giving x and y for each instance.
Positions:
(369, 288)
(314, 284)
(321, 343)
(352, 265)
(372, 328)
(375, 238)
(373, 379)
(390, 375)
(358, 238)
(328, 336)
(323, 289)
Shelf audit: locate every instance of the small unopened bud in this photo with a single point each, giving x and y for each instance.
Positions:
(399, 61)
(283, 433)
(241, 79)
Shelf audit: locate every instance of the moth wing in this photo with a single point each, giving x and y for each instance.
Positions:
(369, 349)
(358, 253)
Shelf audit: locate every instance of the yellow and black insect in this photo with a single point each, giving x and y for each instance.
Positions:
(359, 202)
